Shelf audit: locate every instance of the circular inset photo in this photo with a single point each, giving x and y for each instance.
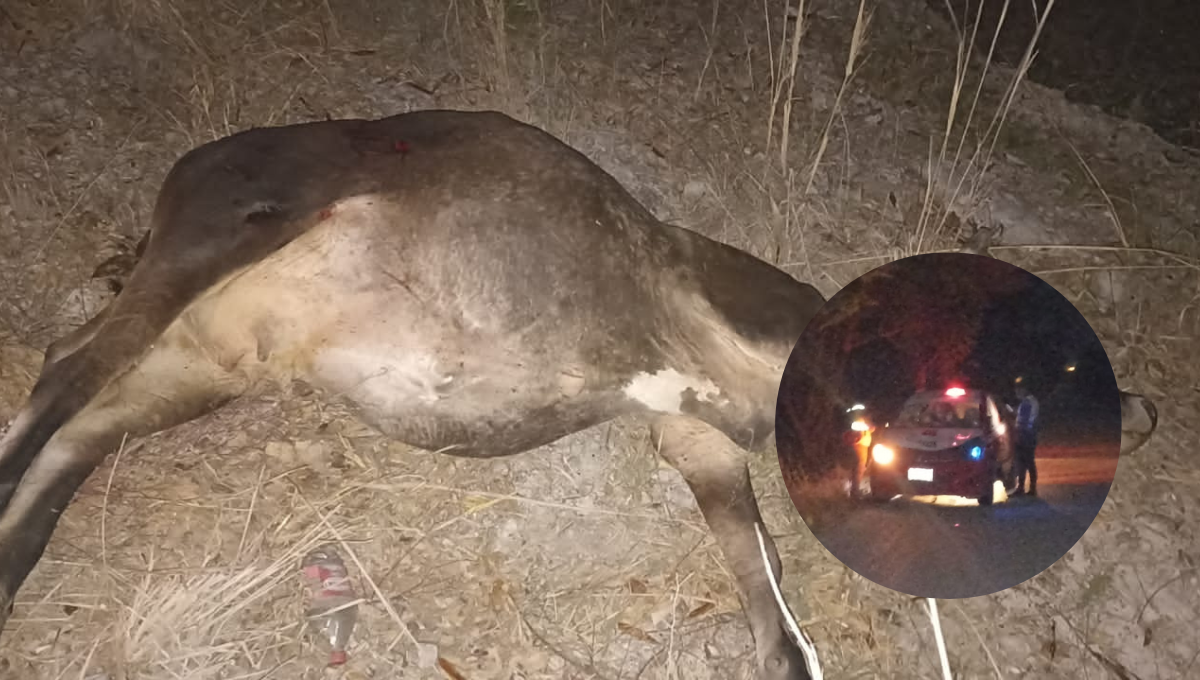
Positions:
(948, 425)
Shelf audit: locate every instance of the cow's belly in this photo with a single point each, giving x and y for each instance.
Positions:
(468, 396)
(435, 348)
(421, 373)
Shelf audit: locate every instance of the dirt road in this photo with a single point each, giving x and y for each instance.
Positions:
(933, 550)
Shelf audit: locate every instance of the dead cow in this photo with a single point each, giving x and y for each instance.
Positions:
(466, 281)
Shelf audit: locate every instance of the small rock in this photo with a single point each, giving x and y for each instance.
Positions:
(695, 189)
(427, 655)
(85, 302)
(533, 661)
(314, 454)
(284, 451)
(238, 441)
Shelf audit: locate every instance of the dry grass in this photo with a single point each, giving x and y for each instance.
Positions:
(1108, 202)
(857, 43)
(784, 79)
(195, 626)
(495, 19)
(949, 183)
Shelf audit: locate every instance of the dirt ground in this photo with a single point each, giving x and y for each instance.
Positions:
(584, 559)
(1134, 60)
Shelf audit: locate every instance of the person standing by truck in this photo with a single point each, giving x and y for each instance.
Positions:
(1025, 441)
(859, 437)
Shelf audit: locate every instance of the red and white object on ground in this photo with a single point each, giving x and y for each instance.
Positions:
(333, 607)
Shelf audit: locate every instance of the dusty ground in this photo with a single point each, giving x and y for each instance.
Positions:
(1134, 60)
(584, 559)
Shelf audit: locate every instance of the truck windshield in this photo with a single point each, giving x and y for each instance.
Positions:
(958, 414)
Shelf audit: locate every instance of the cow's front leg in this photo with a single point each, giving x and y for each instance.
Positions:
(174, 383)
(715, 469)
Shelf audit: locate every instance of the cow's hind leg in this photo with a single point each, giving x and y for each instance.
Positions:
(171, 385)
(715, 469)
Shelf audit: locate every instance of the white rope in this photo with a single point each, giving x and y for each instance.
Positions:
(937, 635)
(798, 636)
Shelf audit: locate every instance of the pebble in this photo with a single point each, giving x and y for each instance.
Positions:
(695, 189)
(427, 655)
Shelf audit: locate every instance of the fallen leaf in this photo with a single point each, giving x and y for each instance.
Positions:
(449, 669)
(635, 632)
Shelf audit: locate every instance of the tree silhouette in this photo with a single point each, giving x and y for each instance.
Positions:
(925, 313)
(929, 307)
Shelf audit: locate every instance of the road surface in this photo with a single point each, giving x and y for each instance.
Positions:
(930, 550)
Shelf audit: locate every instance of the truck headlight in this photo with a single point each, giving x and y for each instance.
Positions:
(883, 455)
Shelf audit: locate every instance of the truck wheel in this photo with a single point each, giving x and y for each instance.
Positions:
(985, 499)
(880, 493)
(989, 486)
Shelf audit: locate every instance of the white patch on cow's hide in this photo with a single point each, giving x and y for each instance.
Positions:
(663, 390)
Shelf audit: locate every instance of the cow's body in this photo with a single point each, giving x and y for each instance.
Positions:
(468, 282)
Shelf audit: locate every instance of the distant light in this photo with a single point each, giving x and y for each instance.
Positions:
(976, 452)
(1019, 379)
(883, 455)
(856, 407)
(859, 426)
(955, 392)
(1071, 368)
